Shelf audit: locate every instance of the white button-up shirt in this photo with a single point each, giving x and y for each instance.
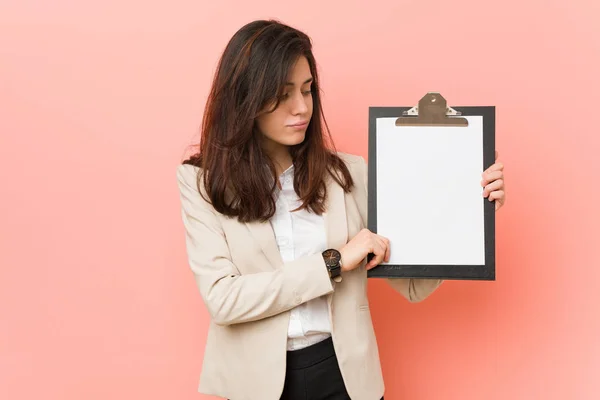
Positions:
(300, 233)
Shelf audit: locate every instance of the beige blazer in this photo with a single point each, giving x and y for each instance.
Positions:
(249, 293)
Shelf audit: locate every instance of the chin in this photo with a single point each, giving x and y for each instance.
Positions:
(295, 139)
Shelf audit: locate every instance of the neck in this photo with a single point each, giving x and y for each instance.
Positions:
(281, 157)
(282, 163)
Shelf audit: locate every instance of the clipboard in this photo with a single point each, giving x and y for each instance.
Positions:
(425, 169)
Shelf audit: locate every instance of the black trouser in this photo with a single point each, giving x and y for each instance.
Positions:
(313, 374)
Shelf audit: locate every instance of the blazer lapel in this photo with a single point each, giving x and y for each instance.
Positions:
(265, 237)
(336, 224)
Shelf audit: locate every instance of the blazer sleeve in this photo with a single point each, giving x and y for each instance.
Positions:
(230, 297)
(414, 290)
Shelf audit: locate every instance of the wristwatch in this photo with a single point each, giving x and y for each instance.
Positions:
(333, 262)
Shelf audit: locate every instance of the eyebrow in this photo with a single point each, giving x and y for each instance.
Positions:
(305, 82)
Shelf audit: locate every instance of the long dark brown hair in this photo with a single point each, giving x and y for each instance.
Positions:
(239, 178)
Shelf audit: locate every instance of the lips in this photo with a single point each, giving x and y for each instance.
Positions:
(300, 124)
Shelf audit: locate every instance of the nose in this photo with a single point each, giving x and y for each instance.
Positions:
(299, 104)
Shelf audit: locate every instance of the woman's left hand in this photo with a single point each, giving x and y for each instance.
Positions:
(493, 183)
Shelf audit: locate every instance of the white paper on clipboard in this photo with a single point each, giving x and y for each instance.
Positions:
(429, 194)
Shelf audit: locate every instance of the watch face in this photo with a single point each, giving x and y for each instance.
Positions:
(332, 257)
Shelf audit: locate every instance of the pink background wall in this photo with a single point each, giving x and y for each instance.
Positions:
(98, 101)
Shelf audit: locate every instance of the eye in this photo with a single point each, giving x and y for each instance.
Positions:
(307, 92)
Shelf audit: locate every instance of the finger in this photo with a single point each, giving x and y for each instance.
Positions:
(491, 176)
(498, 196)
(387, 249)
(496, 185)
(388, 254)
(498, 204)
(375, 261)
(498, 166)
(385, 245)
(379, 255)
(496, 155)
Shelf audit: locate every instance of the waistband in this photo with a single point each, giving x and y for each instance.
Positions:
(311, 355)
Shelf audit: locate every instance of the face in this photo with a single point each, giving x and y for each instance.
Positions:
(286, 125)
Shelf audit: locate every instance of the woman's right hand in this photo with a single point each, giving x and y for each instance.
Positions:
(360, 246)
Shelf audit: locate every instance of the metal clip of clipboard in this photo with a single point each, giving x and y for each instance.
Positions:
(432, 110)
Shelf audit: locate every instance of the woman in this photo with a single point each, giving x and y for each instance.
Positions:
(275, 232)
